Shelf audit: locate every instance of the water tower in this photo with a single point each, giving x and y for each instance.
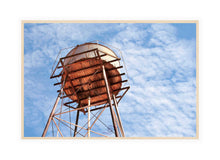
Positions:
(90, 79)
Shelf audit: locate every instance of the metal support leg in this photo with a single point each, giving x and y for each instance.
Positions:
(57, 128)
(96, 118)
(110, 103)
(88, 117)
(118, 116)
(51, 116)
(77, 119)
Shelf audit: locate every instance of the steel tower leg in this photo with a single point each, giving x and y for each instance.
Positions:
(88, 117)
(118, 116)
(77, 119)
(110, 103)
(51, 116)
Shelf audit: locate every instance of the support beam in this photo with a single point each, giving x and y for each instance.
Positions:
(80, 61)
(51, 116)
(77, 119)
(86, 124)
(97, 117)
(127, 88)
(79, 126)
(118, 116)
(110, 103)
(57, 75)
(57, 127)
(72, 110)
(106, 100)
(54, 69)
(88, 117)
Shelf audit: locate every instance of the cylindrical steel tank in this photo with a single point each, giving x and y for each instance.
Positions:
(85, 72)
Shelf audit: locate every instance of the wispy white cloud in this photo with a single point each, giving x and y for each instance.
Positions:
(162, 34)
(162, 83)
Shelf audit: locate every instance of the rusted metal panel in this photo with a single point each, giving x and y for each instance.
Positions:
(82, 62)
(97, 72)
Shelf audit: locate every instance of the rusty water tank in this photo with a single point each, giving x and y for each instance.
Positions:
(86, 74)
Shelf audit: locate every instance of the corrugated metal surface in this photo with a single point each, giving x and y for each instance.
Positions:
(95, 90)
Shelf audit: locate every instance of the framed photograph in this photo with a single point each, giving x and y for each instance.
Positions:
(110, 79)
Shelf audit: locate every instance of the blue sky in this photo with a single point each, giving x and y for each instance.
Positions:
(161, 63)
